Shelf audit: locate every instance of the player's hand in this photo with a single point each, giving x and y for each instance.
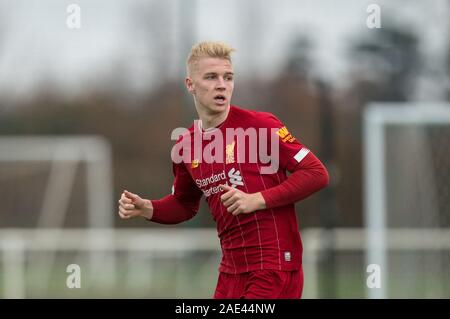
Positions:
(239, 202)
(131, 205)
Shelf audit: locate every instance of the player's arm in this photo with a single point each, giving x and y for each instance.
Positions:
(308, 176)
(175, 208)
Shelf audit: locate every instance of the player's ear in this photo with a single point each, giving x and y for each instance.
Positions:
(189, 85)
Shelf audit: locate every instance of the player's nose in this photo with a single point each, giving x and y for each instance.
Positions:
(220, 84)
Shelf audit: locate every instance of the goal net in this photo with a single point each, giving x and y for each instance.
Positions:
(407, 188)
(54, 183)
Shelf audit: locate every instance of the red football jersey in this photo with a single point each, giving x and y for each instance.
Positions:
(265, 239)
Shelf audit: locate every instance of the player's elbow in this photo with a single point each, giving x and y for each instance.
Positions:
(189, 214)
(323, 178)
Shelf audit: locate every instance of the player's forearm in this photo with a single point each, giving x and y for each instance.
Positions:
(302, 183)
(170, 210)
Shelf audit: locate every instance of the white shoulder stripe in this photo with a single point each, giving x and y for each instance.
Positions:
(301, 154)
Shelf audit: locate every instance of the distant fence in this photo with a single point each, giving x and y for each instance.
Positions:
(181, 262)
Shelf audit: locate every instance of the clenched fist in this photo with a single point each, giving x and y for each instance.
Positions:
(239, 202)
(131, 205)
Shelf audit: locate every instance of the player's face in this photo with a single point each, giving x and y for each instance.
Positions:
(211, 82)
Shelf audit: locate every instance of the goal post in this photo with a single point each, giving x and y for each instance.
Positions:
(406, 159)
(40, 176)
(93, 150)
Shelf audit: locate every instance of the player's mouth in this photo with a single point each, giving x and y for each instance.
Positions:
(220, 99)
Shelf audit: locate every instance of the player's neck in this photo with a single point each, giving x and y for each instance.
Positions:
(213, 120)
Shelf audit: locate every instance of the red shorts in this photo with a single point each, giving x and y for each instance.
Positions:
(260, 284)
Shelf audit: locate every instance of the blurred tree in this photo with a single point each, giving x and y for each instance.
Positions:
(385, 64)
(388, 60)
(299, 61)
(154, 37)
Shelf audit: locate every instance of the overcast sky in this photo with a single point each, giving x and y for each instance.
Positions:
(115, 40)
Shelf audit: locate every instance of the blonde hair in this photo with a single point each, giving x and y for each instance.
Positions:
(209, 49)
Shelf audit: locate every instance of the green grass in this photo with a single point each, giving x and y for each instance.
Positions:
(196, 276)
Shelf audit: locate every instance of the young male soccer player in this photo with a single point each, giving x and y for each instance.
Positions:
(252, 205)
